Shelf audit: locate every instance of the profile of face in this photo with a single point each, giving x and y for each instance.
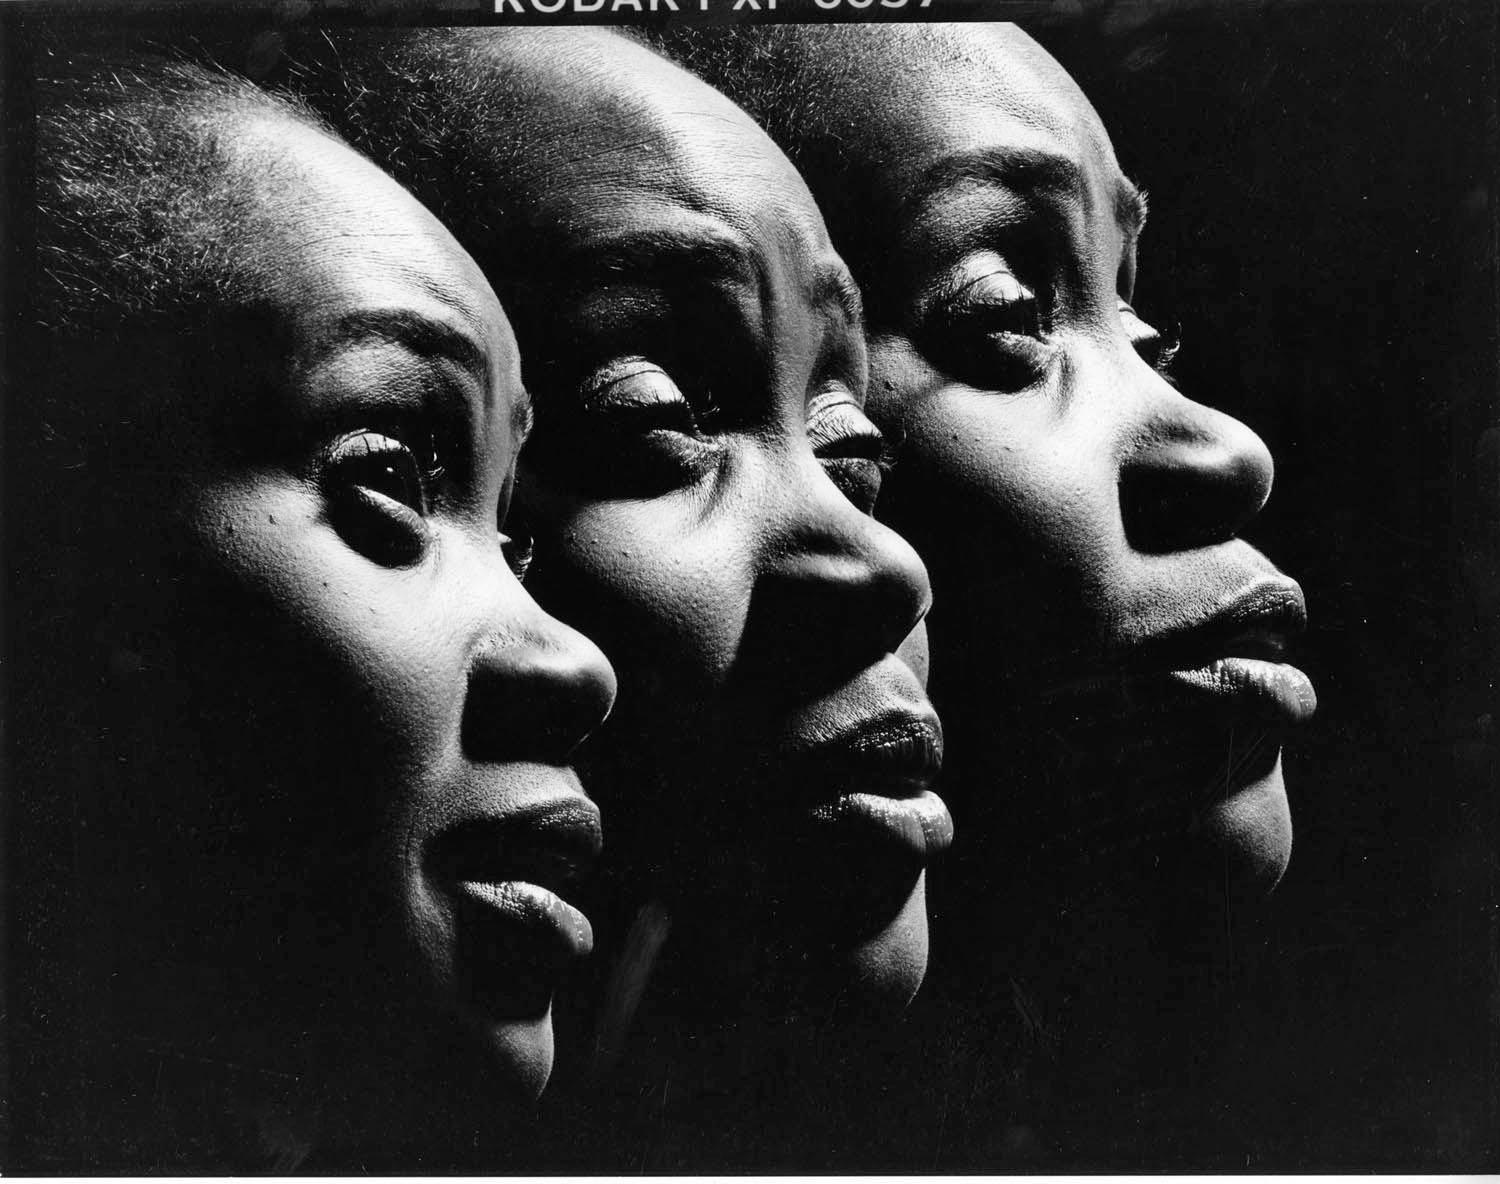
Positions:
(1108, 654)
(700, 485)
(351, 816)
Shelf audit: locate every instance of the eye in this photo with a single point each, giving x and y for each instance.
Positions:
(998, 303)
(851, 449)
(379, 493)
(631, 432)
(1158, 351)
(989, 332)
(382, 465)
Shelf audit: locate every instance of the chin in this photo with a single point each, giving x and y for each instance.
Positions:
(1250, 833)
(886, 969)
(522, 1053)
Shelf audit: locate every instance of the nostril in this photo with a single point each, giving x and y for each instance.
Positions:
(1193, 490)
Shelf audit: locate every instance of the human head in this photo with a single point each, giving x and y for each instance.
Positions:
(1104, 642)
(329, 812)
(699, 486)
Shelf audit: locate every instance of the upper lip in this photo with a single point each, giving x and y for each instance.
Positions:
(1256, 622)
(903, 748)
(549, 843)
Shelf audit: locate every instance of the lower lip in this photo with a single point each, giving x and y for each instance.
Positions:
(1280, 691)
(919, 825)
(564, 929)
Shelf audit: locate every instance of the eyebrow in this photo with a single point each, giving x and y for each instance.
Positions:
(833, 285)
(523, 417)
(1019, 169)
(1130, 206)
(668, 258)
(671, 256)
(420, 334)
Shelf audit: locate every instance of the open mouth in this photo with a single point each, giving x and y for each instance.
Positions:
(507, 879)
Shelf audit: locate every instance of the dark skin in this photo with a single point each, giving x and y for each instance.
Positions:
(1080, 515)
(336, 706)
(700, 485)
(1107, 651)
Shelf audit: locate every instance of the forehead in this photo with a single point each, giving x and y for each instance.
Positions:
(955, 92)
(333, 235)
(616, 138)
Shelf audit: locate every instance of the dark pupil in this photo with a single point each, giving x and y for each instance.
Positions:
(392, 473)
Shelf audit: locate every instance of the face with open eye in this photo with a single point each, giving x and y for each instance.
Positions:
(700, 486)
(377, 719)
(1108, 654)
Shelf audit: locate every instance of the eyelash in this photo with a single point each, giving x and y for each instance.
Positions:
(369, 457)
(991, 334)
(379, 491)
(520, 551)
(630, 432)
(1016, 312)
(1159, 350)
(853, 452)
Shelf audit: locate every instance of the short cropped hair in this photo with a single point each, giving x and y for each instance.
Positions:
(415, 101)
(142, 211)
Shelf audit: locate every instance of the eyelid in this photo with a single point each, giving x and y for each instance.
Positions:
(1007, 288)
(1151, 344)
(607, 384)
(368, 446)
(835, 418)
(1137, 329)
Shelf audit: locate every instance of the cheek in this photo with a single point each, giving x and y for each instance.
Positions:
(347, 677)
(997, 481)
(1012, 502)
(662, 586)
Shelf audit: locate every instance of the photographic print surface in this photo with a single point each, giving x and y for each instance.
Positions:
(777, 586)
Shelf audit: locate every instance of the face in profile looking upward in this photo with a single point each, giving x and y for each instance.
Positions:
(346, 728)
(699, 484)
(1108, 654)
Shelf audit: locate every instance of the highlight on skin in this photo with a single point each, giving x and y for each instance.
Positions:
(1080, 515)
(322, 785)
(699, 485)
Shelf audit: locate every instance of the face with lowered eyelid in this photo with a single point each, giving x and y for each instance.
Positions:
(379, 721)
(1079, 515)
(700, 483)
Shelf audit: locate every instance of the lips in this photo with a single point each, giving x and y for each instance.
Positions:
(505, 877)
(873, 779)
(1236, 656)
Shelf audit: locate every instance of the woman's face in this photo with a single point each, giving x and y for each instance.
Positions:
(700, 486)
(1097, 616)
(380, 716)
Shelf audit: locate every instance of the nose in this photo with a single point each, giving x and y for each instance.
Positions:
(840, 589)
(536, 688)
(1192, 476)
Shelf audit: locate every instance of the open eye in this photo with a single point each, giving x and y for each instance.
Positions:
(850, 448)
(378, 492)
(381, 465)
